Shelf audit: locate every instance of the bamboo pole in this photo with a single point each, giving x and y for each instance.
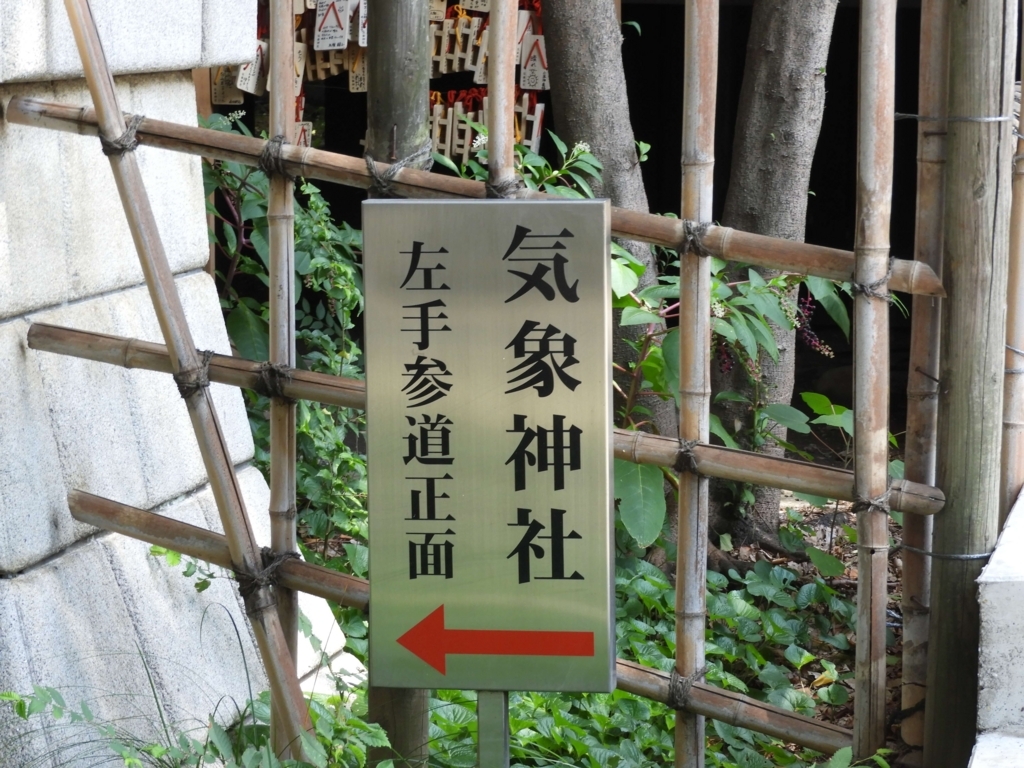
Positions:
(700, 72)
(922, 381)
(638, 447)
(730, 244)
(398, 84)
(185, 361)
(1012, 475)
(281, 241)
(501, 92)
(979, 153)
(871, 364)
(727, 706)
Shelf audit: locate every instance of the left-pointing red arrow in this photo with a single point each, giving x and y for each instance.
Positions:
(431, 641)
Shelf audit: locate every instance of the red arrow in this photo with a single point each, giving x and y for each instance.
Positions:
(432, 642)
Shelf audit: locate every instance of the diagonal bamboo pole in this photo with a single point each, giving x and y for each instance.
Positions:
(281, 236)
(185, 362)
(871, 363)
(733, 245)
(637, 447)
(922, 383)
(707, 700)
(698, 151)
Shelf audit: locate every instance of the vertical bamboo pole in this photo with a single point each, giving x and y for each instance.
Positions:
(501, 96)
(281, 235)
(871, 362)
(245, 553)
(922, 384)
(979, 152)
(699, 84)
(1012, 477)
(398, 130)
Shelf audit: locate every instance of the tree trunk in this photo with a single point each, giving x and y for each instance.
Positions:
(397, 128)
(979, 158)
(777, 126)
(588, 88)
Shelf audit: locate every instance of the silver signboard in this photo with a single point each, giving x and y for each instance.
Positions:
(488, 353)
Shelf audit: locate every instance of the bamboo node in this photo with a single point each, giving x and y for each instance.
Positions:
(271, 379)
(679, 687)
(271, 162)
(381, 185)
(871, 290)
(693, 238)
(251, 586)
(686, 460)
(194, 380)
(285, 514)
(126, 142)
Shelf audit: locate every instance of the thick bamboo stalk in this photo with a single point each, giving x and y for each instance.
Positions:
(757, 250)
(281, 241)
(160, 281)
(923, 378)
(501, 91)
(709, 701)
(398, 131)
(871, 362)
(638, 447)
(1012, 476)
(700, 72)
(979, 153)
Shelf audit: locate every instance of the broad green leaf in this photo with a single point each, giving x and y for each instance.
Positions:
(446, 162)
(623, 279)
(808, 594)
(834, 694)
(828, 565)
(249, 333)
(670, 351)
(637, 316)
(723, 329)
(810, 498)
(841, 759)
(640, 489)
(820, 404)
(314, 750)
(718, 430)
(559, 144)
(825, 292)
(219, 737)
(798, 657)
(744, 334)
(725, 542)
(787, 416)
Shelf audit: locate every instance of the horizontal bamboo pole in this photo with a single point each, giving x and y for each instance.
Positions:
(638, 447)
(727, 706)
(724, 242)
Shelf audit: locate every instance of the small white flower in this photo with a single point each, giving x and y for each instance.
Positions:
(581, 147)
(480, 141)
(236, 115)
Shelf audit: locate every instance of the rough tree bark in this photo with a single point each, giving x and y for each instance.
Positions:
(781, 105)
(588, 88)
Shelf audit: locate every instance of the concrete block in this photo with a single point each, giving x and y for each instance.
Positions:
(229, 31)
(110, 431)
(1001, 652)
(997, 750)
(63, 233)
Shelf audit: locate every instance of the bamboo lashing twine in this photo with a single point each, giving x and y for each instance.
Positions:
(871, 289)
(126, 142)
(381, 185)
(252, 584)
(270, 161)
(505, 189)
(194, 380)
(693, 238)
(271, 380)
(687, 459)
(679, 687)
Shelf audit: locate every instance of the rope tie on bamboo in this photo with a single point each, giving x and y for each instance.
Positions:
(879, 503)
(193, 380)
(679, 687)
(249, 585)
(382, 179)
(126, 142)
(271, 379)
(1019, 352)
(504, 189)
(686, 459)
(924, 119)
(271, 162)
(871, 290)
(693, 238)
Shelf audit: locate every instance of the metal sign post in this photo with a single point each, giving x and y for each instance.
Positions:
(492, 729)
(489, 415)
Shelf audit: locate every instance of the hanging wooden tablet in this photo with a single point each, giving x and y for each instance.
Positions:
(437, 10)
(223, 88)
(436, 49)
(252, 76)
(527, 23)
(300, 105)
(479, 60)
(532, 129)
(331, 30)
(447, 60)
(533, 71)
(476, 5)
(462, 134)
(357, 71)
(466, 33)
(440, 130)
(362, 24)
(303, 134)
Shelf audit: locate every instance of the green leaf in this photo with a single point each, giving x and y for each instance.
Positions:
(820, 404)
(834, 694)
(744, 334)
(798, 657)
(314, 750)
(725, 542)
(219, 737)
(230, 240)
(559, 144)
(446, 162)
(249, 333)
(637, 316)
(825, 292)
(635, 25)
(623, 279)
(810, 498)
(841, 759)
(828, 565)
(788, 416)
(670, 351)
(718, 430)
(640, 489)
(358, 558)
(723, 329)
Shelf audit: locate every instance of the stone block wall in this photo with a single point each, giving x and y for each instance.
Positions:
(81, 609)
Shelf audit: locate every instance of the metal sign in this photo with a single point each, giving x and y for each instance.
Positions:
(488, 345)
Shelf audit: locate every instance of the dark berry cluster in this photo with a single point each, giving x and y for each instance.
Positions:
(723, 354)
(804, 312)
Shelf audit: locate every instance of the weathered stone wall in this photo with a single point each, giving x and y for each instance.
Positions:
(81, 609)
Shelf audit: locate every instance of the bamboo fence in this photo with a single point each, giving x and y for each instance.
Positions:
(923, 377)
